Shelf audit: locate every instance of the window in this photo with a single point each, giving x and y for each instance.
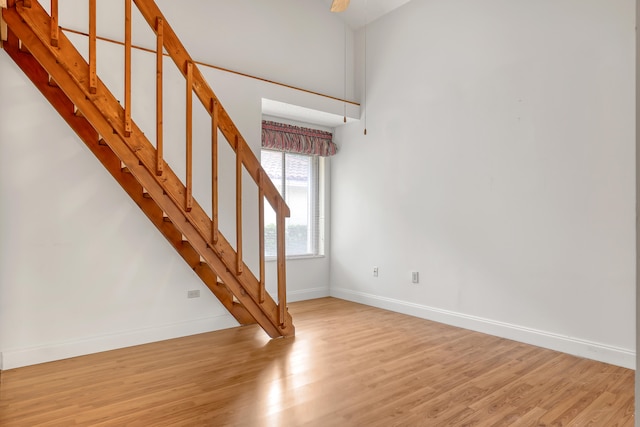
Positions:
(298, 179)
(294, 157)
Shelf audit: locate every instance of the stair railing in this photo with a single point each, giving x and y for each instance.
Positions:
(166, 40)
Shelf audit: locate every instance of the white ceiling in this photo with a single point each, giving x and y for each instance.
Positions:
(361, 12)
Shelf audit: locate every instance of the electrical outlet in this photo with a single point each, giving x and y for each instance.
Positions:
(193, 294)
(375, 271)
(415, 277)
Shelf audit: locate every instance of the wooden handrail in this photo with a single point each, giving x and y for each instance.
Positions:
(226, 70)
(176, 50)
(245, 159)
(244, 156)
(243, 283)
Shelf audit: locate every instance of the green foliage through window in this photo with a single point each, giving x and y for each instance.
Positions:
(296, 177)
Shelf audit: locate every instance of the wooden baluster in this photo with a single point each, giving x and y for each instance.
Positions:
(238, 205)
(189, 190)
(27, 3)
(159, 120)
(282, 286)
(261, 233)
(127, 67)
(214, 171)
(4, 30)
(54, 23)
(93, 78)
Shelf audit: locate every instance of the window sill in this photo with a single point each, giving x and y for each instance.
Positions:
(294, 257)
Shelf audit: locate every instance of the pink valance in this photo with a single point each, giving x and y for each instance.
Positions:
(295, 139)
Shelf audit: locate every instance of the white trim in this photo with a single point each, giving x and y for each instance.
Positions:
(17, 358)
(306, 294)
(579, 347)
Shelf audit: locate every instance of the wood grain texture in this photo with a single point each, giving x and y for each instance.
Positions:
(103, 111)
(214, 171)
(112, 163)
(349, 365)
(127, 67)
(93, 77)
(261, 235)
(189, 137)
(179, 54)
(54, 23)
(159, 98)
(239, 245)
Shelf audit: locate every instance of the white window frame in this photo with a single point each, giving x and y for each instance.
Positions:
(315, 209)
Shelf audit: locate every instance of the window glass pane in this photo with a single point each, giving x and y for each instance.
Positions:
(272, 164)
(298, 193)
(296, 178)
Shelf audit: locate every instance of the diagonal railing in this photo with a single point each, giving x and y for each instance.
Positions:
(206, 227)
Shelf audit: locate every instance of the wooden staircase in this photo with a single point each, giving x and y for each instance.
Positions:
(69, 83)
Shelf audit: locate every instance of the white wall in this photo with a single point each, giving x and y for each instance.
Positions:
(297, 42)
(81, 268)
(499, 163)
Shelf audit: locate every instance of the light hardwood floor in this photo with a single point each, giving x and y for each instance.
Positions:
(349, 365)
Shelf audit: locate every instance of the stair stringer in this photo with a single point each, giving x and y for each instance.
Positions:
(106, 116)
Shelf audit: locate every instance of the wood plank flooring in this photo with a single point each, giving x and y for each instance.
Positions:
(349, 365)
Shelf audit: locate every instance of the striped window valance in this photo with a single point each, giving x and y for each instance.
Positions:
(295, 139)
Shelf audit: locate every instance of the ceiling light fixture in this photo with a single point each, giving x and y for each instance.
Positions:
(339, 5)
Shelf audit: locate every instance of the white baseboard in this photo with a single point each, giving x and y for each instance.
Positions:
(306, 294)
(582, 348)
(16, 358)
